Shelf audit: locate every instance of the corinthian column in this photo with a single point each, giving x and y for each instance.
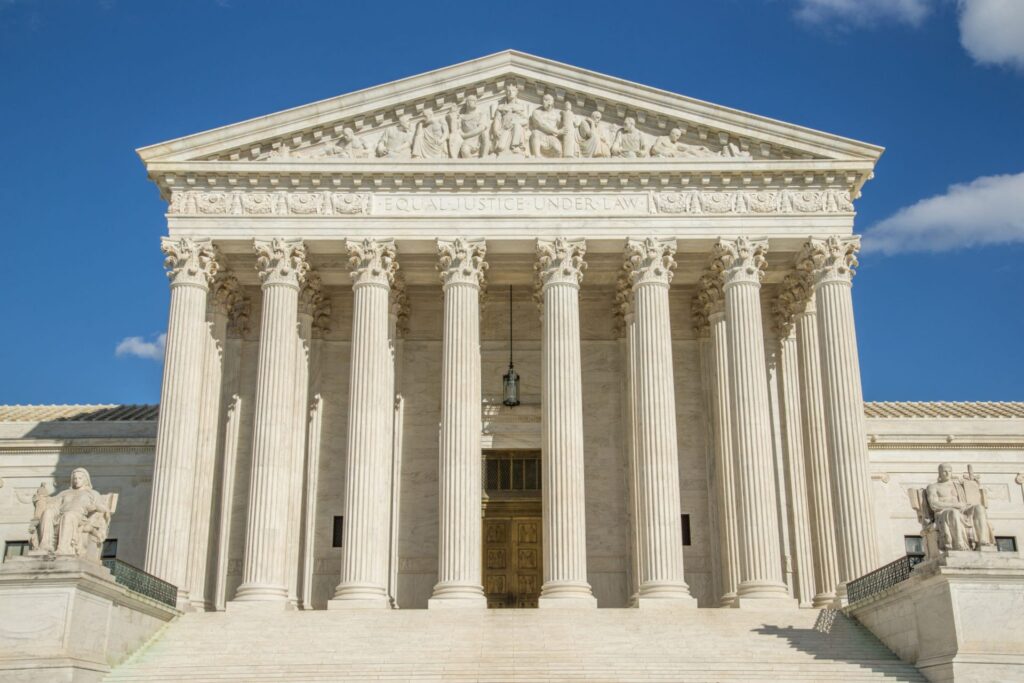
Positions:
(831, 264)
(462, 267)
(742, 264)
(191, 266)
(712, 299)
(793, 443)
(364, 556)
(560, 268)
(649, 264)
(282, 270)
(815, 436)
(223, 297)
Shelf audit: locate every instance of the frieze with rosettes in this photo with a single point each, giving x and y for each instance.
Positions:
(752, 201)
(238, 203)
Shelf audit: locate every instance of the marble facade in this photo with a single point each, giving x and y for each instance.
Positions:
(680, 279)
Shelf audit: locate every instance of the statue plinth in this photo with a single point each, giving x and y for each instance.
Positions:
(64, 618)
(955, 618)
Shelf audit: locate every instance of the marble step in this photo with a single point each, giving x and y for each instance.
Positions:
(516, 645)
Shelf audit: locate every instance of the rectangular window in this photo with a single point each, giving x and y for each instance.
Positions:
(1006, 544)
(109, 549)
(914, 545)
(686, 529)
(15, 549)
(339, 532)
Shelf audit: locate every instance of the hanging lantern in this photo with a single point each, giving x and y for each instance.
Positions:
(510, 381)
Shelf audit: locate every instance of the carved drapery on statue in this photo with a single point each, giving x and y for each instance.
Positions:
(73, 523)
(953, 513)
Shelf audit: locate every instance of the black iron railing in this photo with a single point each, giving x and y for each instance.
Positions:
(882, 578)
(134, 579)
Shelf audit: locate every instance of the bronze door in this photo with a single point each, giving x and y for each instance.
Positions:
(512, 560)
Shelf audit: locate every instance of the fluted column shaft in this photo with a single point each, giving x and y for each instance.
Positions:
(222, 297)
(742, 262)
(831, 263)
(794, 449)
(364, 556)
(282, 268)
(459, 496)
(297, 462)
(819, 481)
(191, 266)
(725, 465)
(560, 267)
(649, 263)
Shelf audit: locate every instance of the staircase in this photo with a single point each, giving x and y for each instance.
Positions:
(517, 645)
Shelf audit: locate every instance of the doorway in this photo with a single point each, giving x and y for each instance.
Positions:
(512, 543)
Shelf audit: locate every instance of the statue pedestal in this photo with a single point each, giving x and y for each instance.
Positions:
(958, 618)
(65, 620)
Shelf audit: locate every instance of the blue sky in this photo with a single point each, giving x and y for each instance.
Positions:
(939, 83)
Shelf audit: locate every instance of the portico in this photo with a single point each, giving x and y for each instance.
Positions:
(354, 360)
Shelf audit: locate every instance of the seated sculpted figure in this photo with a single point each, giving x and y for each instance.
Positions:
(629, 142)
(469, 136)
(396, 142)
(431, 138)
(348, 146)
(74, 522)
(545, 131)
(510, 124)
(592, 142)
(959, 512)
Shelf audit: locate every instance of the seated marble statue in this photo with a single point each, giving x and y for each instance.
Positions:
(670, 147)
(591, 140)
(72, 523)
(958, 509)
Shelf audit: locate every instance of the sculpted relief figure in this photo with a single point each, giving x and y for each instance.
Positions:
(73, 523)
(958, 509)
(545, 129)
(469, 136)
(348, 146)
(629, 142)
(510, 124)
(592, 141)
(396, 142)
(431, 139)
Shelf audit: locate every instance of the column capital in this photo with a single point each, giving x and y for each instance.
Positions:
(793, 299)
(190, 262)
(224, 293)
(707, 303)
(461, 261)
(650, 261)
(372, 262)
(560, 261)
(281, 262)
(399, 304)
(740, 260)
(833, 259)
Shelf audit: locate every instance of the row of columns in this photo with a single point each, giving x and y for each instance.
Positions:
(823, 419)
(826, 397)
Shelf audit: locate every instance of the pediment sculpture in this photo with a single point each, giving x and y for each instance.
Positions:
(510, 128)
(953, 513)
(72, 523)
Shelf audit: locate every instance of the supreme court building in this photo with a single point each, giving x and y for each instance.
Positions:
(671, 280)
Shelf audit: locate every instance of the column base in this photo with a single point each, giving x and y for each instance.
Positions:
(359, 596)
(566, 594)
(727, 600)
(255, 594)
(660, 591)
(823, 600)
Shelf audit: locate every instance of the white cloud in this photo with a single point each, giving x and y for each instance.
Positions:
(139, 347)
(988, 210)
(992, 31)
(863, 12)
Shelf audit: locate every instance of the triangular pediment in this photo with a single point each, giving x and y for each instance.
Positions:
(431, 118)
